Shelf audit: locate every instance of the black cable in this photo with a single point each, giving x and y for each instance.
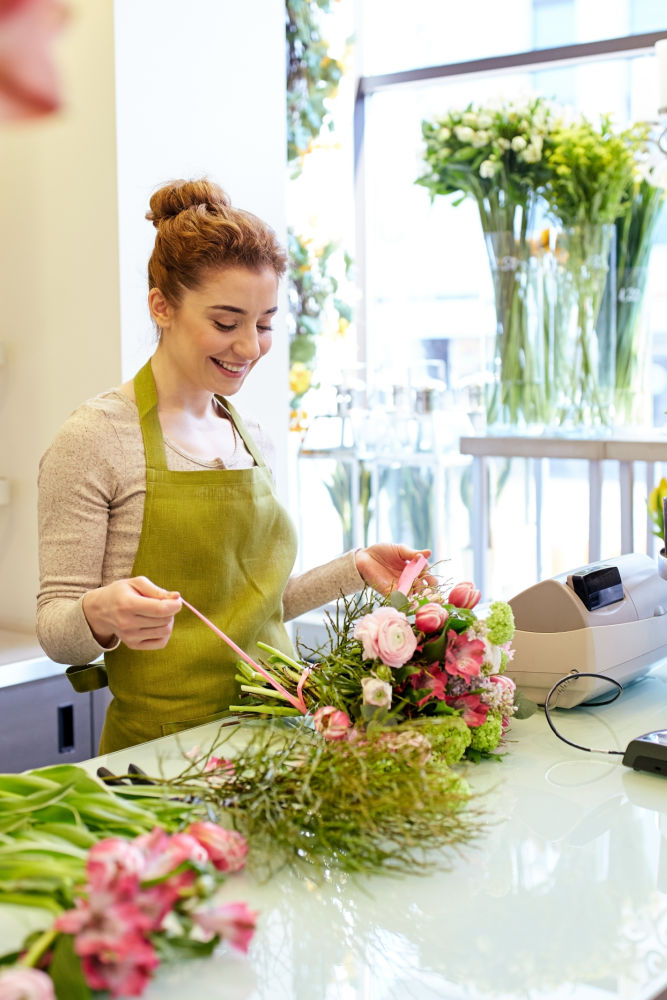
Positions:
(594, 701)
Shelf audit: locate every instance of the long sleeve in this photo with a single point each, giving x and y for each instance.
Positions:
(317, 586)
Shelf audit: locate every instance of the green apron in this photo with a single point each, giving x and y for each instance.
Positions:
(222, 540)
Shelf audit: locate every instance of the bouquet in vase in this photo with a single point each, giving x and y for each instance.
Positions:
(420, 665)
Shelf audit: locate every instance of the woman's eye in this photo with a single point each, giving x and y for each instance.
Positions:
(265, 329)
(224, 327)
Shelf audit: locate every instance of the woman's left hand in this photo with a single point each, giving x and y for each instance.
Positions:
(381, 565)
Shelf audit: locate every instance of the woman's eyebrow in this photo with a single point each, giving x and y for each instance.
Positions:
(242, 312)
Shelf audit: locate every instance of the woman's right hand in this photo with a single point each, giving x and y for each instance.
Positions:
(136, 611)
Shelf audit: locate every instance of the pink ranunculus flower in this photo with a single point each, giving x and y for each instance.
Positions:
(227, 849)
(464, 595)
(115, 864)
(331, 722)
(430, 617)
(386, 634)
(22, 983)
(234, 922)
(464, 655)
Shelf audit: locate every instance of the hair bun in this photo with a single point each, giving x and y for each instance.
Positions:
(178, 196)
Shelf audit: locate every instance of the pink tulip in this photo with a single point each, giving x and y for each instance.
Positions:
(464, 595)
(431, 617)
(331, 722)
(22, 983)
(234, 922)
(227, 849)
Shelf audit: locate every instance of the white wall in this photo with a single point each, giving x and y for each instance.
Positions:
(60, 317)
(200, 90)
(201, 95)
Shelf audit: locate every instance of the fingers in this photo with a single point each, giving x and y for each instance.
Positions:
(137, 612)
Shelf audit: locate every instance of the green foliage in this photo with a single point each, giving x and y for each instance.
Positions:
(313, 77)
(340, 491)
(591, 172)
(357, 807)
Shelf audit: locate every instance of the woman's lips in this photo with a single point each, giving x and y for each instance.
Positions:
(235, 372)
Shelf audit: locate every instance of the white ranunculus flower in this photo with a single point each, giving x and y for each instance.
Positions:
(532, 154)
(519, 143)
(503, 143)
(444, 133)
(481, 139)
(464, 134)
(487, 169)
(376, 692)
(469, 118)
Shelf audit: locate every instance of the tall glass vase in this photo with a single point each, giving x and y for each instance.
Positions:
(582, 327)
(517, 398)
(632, 397)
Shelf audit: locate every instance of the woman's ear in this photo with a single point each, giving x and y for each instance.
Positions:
(161, 310)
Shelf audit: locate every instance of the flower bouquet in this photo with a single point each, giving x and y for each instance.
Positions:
(420, 666)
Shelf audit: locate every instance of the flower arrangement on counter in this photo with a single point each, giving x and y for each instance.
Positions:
(558, 356)
(125, 892)
(419, 666)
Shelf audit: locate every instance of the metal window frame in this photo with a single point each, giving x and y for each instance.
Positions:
(368, 85)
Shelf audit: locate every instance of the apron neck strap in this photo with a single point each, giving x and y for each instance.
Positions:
(146, 395)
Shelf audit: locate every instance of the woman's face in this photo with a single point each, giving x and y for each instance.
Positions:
(218, 333)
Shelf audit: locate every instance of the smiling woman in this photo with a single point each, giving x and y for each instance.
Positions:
(157, 488)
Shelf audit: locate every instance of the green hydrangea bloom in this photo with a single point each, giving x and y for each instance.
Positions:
(449, 737)
(485, 738)
(499, 623)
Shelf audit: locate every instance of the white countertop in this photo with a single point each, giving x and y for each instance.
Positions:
(564, 897)
(22, 659)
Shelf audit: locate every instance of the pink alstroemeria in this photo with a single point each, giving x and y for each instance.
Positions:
(115, 864)
(434, 680)
(22, 983)
(464, 655)
(474, 710)
(125, 972)
(234, 922)
(227, 849)
(100, 925)
(464, 595)
(165, 853)
(331, 722)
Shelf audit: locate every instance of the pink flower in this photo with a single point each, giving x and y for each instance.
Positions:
(430, 617)
(114, 863)
(474, 711)
(434, 680)
(464, 655)
(227, 849)
(22, 983)
(165, 853)
(219, 764)
(505, 683)
(386, 634)
(125, 972)
(234, 922)
(464, 595)
(102, 925)
(29, 80)
(331, 722)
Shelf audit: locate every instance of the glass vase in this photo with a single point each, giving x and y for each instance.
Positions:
(633, 350)
(517, 393)
(582, 327)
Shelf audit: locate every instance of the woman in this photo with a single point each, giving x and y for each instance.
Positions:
(157, 489)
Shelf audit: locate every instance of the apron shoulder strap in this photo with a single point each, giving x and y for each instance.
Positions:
(146, 396)
(243, 431)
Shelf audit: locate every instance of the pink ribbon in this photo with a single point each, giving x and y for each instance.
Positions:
(296, 702)
(410, 574)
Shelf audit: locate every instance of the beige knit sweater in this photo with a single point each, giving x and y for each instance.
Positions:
(92, 485)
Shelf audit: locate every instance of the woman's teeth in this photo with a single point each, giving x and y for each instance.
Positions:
(232, 369)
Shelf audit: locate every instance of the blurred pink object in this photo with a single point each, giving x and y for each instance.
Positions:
(29, 80)
(464, 595)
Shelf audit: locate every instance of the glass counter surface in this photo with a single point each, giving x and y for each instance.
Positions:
(565, 895)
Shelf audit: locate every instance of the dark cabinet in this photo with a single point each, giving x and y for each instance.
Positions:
(46, 722)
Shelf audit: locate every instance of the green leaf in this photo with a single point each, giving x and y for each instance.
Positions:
(65, 971)
(435, 648)
(399, 601)
(525, 707)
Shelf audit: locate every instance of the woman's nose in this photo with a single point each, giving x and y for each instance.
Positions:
(246, 343)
